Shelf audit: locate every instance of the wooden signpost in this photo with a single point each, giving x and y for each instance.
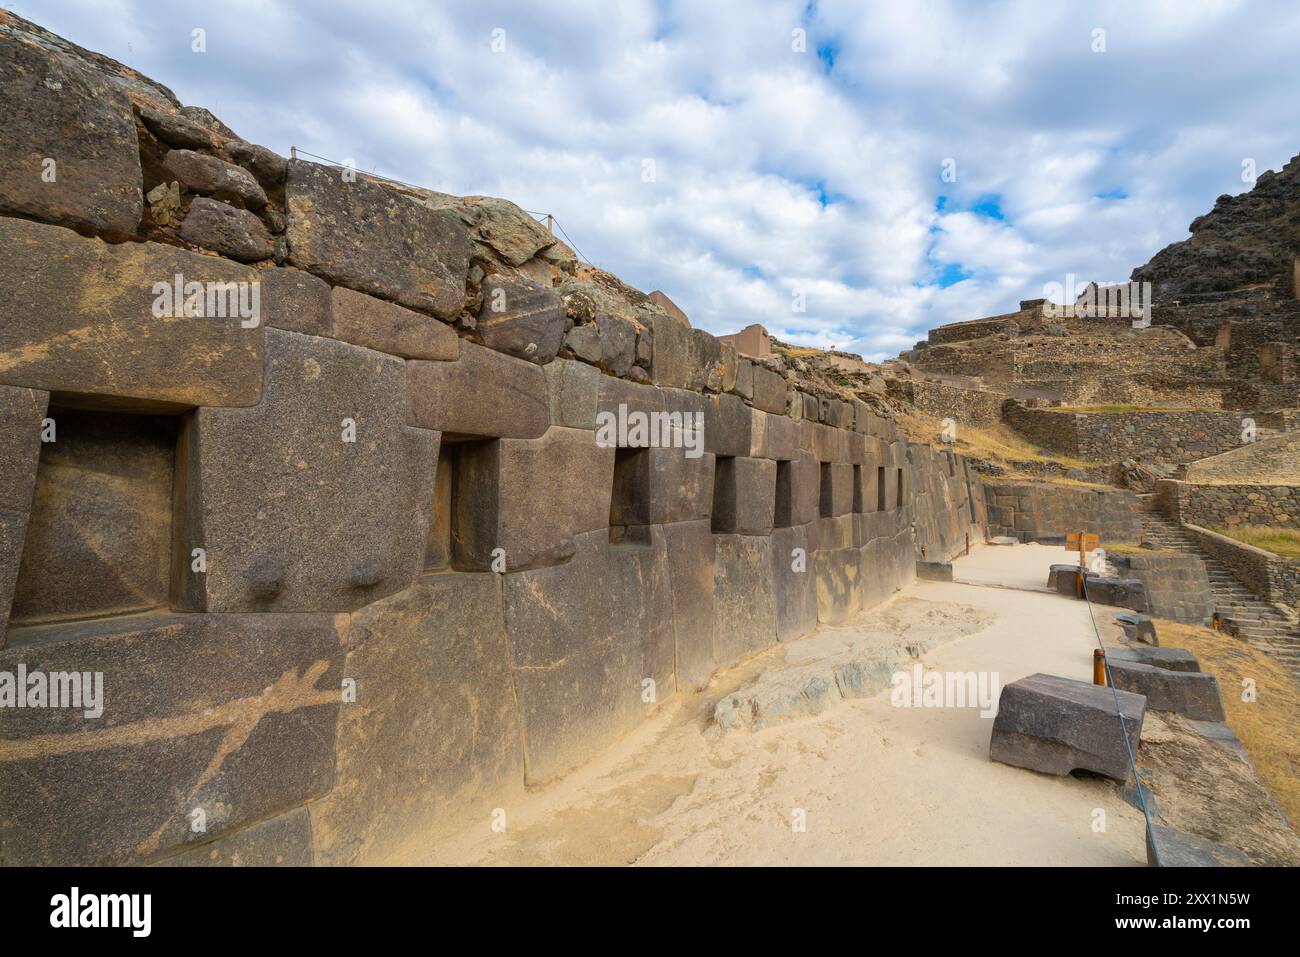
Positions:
(1083, 543)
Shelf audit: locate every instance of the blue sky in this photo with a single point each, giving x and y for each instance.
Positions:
(823, 168)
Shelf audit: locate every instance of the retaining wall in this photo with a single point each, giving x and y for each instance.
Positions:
(1046, 512)
(1110, 436)
(1268, 506)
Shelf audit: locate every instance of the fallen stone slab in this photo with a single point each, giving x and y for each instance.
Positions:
(1171, 659)
(1194, 694)
(1121, 592)
(1138, 627)
(934, 571)
(1058, 725)
(1063, 579)
(1179, 849)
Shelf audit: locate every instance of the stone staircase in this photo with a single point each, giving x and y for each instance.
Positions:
(1240, 612)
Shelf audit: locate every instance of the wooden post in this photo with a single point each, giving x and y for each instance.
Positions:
(1098, 666)
(550, 223)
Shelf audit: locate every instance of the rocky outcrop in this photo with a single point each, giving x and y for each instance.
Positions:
(1247, 239)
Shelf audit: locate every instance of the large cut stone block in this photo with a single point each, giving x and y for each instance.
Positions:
(387, 327)
(689, 552)
(432, 739)
(572, 390)
(21, 414)
(317, 499)
(89, 325)
(483, 394)
(1194, 694)
(837, 574)
(68, 140)
(373, 239)
(1058, 725)
(214, 720)
(744, 606)
(769, 390)
(793, 585)
(726, 425)
(772, 436)
(296, 301)
(530, 497)
(523, 318)
(99, 540)
(744, 496)
(584, 637)
(1172, 659)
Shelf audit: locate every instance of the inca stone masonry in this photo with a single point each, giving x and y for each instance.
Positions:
(352, 564)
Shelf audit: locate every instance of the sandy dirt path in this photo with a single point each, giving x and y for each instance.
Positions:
(876, 784)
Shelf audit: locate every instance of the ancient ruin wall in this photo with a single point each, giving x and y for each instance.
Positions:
(1047, 512)
(363, 555)
(1110, 436)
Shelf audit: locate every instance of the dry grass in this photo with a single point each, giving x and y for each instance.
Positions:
(1267, 726)
(995, 443)
(1282, 542)
(1122, 549)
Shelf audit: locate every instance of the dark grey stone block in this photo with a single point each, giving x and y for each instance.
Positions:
(1194, 694)
(1058, 725)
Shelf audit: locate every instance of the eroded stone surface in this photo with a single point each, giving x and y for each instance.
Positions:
(58, 111)
(229, 716)
(432, 740)
(369, 237)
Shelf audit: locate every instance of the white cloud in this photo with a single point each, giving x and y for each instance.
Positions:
(774, 173)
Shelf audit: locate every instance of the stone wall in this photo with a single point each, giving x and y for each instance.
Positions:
(941, 400)
(1171, 437)
(360, 564)
(1275, 459)
(1177, 586)
(1047, 512)
(1268, 506)
(1270, 577)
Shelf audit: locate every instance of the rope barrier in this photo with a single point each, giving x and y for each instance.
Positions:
(1137, 780)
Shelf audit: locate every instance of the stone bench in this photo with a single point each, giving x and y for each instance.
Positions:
(1193, 694)
(1058, 725)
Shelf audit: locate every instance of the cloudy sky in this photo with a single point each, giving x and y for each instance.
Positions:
(894, 165)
